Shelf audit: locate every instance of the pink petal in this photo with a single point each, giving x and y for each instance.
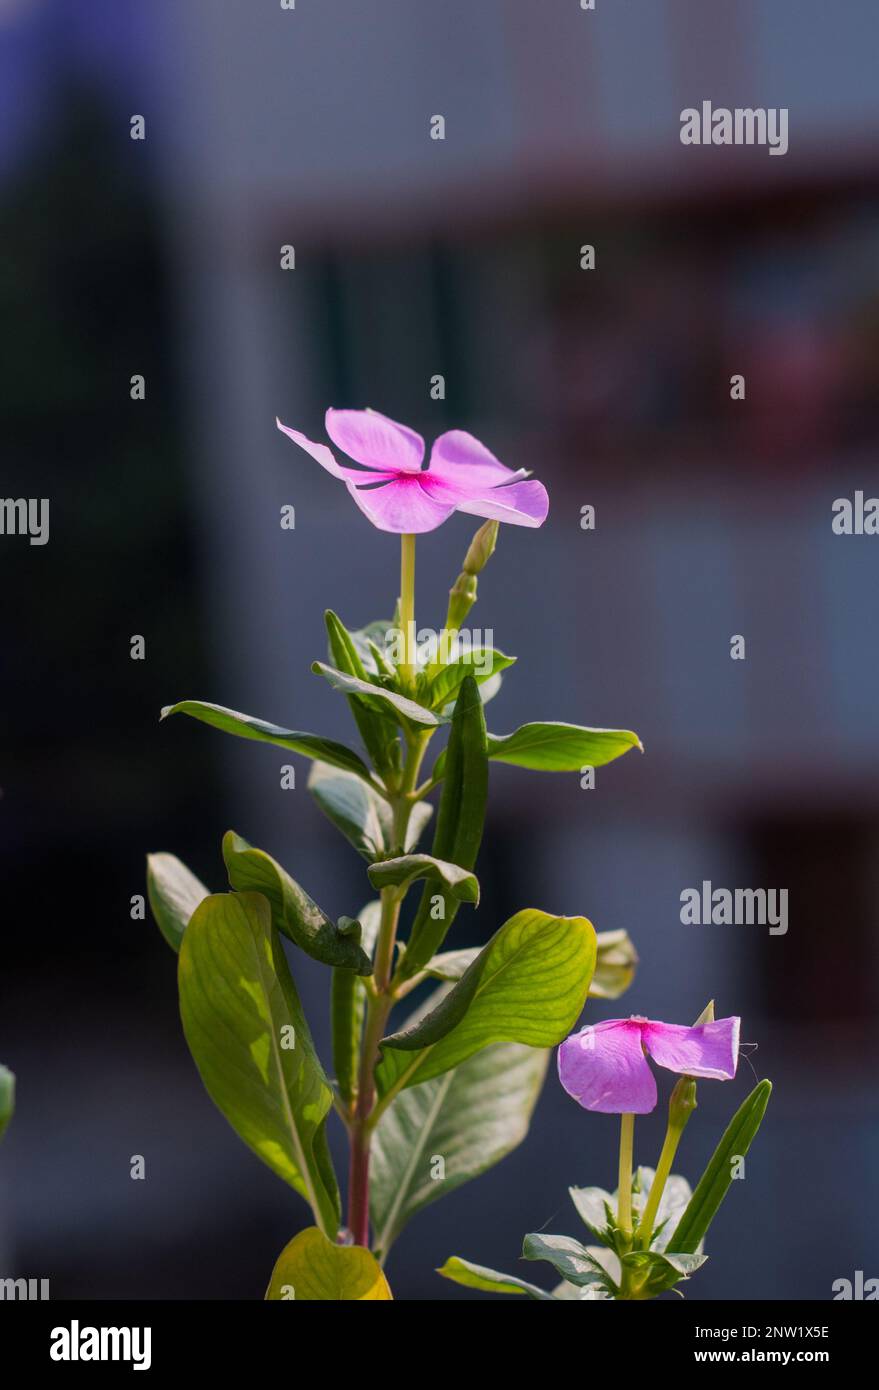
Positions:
(375, 440)
(401, 505)
(521, 504)
(460, 459)
(326, 460)
(604, 1068)
(711, 1050)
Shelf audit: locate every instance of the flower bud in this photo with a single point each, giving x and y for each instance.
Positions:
(462, 594)
(682, 1102)
(481, 548)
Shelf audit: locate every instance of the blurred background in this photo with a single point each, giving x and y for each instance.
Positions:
(310, 127)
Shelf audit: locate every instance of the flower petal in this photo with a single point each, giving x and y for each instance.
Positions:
(604, 1068)
(711, 1050)
(375, 440)
(521, 504)
(326, 460)
(402, 505)
(460, 459)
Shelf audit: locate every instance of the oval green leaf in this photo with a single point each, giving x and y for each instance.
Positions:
(566, 1255)
(472, 1116)
(379, 733)
(311, 1269)
(490, 1280)
(245, 726)
(363, 816)
(174, 893)
(378, 698)
(481, 663)
(528, 985)
(399, 873)
(615, 965)
(250, 1041)
(293, 911)
(555, 747)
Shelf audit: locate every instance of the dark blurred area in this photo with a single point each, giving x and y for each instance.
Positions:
(268, 127)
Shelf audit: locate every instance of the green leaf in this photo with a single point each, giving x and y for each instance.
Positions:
(615, 966)
(293, 912)
(569, 1293)
(379, 733)
(528, 985)
(487, 691)
(459, 823)
(595, 1207)
(7, 1098)
(480, 662)
(371, 643)
(451, 965)
(404, 870)
(571, 1259)
(347, 1009)
(472, 1116)
(489, 1280)
(174, 893)
(648, 1273)
(312, 1269)
(364, 817)
(376, 697)
(245, 726)
(250, 1041)
(715, 1181)
(674, 1201)
(554, 747)
(354, 808)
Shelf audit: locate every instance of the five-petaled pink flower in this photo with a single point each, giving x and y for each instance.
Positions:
(397, 494)
(604, 1066)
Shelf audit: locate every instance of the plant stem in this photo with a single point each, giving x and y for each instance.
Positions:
(624, 1207)
(380, 998)
(663, 1168)
(407, 607)
(681, 1105)
(377, 1010)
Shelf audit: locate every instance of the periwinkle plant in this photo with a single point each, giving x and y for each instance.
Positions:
(650, 1233)
(436, 1100)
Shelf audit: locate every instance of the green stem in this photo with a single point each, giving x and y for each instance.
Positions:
(407, 608)
(380, 1001)
(624, 1208)
(377, 1009)
(663, 1168)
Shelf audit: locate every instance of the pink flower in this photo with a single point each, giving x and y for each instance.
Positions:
(397, 494)
(604, 1067)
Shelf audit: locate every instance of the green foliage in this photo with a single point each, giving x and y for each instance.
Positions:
(528, 985)
(449, 1094)
(364, 817)
(245, 726)
(554, 747)
(347, 1010)
(617, 1267)
(311, 1269)
(489, 1280)
(174, 893)
(252, 1046)
(443, 1133)
(459, 824)
(715, 1181)
(293, 912)
(7, 1098)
